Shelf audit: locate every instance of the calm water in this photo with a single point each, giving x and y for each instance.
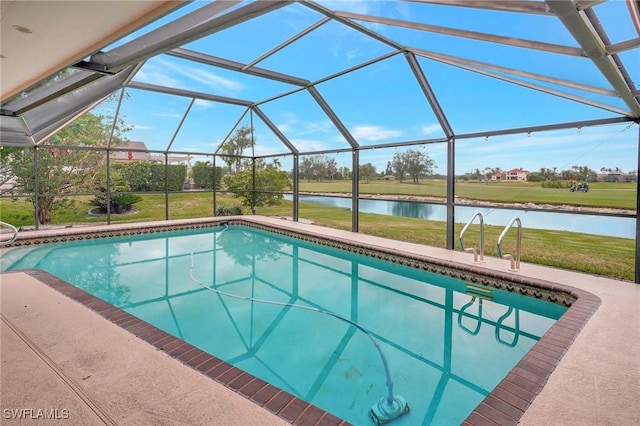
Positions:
(446, 349)
(622, 227)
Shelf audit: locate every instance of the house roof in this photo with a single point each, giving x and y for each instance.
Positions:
(132, 151)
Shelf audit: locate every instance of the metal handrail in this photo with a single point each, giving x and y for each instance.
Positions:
(15, 233)
(515, 261)
(479, 317)
(473, 249)
(516, 327)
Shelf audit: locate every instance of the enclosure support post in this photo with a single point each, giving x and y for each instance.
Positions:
(451, 182)
(637, 263)
(355, 192)
(214, 185)
(108, 152)
(36, 189)
(296, 186)
(166, 186)
(108, 186)
(253, 186)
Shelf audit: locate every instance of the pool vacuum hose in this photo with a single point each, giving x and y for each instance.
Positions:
(389, 407)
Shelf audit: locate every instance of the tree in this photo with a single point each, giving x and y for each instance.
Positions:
(331, 167)
(418, 164)
(399, 165)
(344, 172)
(7, 178)
(234, 147)
(489, 171)
(318, 167)
(584, 173)
(366, 171)
(305, 168)
(62, 170)
(389, 170)
(413, 163)
(270, 183)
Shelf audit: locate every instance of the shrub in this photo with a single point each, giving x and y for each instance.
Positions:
(229, 211)
(146, 176)
(120, 203)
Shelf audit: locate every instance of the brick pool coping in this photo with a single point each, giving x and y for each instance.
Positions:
(504, 405)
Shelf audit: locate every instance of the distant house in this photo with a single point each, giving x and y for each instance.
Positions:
(132, 151)
(498, 176)
(513, 175)
(616, 176)
(517, 175)
(389, 177)
(137, 151)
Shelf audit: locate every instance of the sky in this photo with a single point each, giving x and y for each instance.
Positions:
(383, 103)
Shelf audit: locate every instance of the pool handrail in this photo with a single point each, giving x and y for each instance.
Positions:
(13, 229)
(516, 327)
(476, 255)
(515, 260)
(462, 312)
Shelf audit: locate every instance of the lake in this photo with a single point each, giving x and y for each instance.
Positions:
(614, 226)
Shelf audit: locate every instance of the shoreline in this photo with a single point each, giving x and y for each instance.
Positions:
(480, 203)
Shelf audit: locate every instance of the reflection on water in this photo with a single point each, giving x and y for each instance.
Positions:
(623, 227)
(422, 211)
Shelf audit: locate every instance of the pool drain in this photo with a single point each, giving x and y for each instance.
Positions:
(388, 409)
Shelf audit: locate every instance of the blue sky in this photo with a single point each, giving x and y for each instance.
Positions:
(383, 103)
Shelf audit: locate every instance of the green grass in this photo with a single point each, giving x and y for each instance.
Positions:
(599, 255)
(593, 254)
(601, 194)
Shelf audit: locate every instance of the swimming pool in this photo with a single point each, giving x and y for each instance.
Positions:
(448, 343)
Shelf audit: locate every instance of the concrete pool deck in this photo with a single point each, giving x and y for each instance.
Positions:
(50, 361)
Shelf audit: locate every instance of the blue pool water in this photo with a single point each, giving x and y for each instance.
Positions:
(446, 349)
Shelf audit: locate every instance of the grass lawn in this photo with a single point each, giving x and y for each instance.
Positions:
(601, 194)
(607, 256)
(594, 254)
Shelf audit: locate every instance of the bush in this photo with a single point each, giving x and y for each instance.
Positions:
(146, 176)
(204, 175)
(556, 184)
(229, 211)
(120, 203)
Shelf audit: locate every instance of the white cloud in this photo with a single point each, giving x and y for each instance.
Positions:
(201, 104)
(309, 145)
(151, 76)
(142, 127)
(284, 128)
(355, 6)
(431, 129)
(171, 115)
(374, 133)
(293, 126)
(165, 72)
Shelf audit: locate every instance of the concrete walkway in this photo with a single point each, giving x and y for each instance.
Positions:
(59, 359)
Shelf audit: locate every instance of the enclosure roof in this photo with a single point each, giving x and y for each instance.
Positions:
(251, 55)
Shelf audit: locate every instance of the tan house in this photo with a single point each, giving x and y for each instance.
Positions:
(518, 175)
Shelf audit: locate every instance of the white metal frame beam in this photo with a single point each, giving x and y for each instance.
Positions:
(578, 24)
(180, 32)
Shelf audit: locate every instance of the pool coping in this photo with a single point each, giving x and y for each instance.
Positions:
(505, 404)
